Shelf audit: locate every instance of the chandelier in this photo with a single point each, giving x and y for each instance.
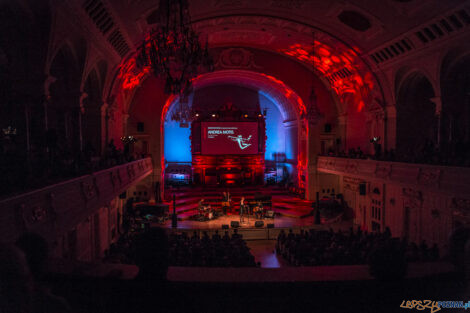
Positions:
(173, 50)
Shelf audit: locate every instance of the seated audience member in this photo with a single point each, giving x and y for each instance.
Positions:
(36, 251)
(16, 284)
(151, 255)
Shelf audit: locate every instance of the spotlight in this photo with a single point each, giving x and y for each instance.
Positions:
(259, 115)
(197, 114)
(213, 115)
(246, 115)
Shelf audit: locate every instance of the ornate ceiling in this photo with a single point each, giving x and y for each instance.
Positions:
(343, 32)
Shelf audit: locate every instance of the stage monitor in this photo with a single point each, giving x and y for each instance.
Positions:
(229, 138)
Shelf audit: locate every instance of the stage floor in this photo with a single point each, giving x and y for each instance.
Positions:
(284, 204)
(278, 221)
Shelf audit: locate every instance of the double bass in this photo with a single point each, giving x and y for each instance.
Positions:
(226, 202)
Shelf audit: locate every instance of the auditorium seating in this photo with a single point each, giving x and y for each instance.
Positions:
(314, 248)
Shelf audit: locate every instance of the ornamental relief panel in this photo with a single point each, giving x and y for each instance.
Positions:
(383, 171)
(412, 198)
(28, 216)
(351, 183)
(461, 209)
(238, 58)
(351, 167)
(89, 190)
(429, 176)
(227, 3)
(288, 4)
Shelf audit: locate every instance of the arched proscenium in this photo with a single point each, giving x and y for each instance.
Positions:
(289, 103)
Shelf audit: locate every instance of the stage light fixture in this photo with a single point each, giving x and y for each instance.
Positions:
(213, 115)
(246, 115)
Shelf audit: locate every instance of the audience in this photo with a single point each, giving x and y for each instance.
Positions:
(313, 248)
(453, 154)
(16, 284)
(59, 163)
(204, 251)
(35, 250)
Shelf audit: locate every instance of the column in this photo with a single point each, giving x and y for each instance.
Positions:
(104, 127)
(390, 131)
(313, 149)
(81, 111)
(438, 102)
(341, 134)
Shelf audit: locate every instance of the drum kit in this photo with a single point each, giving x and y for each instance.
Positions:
(206, 213)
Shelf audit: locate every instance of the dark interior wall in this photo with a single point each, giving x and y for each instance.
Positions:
(146, 108)
(213, 98)
(416, 121)
(455, 86)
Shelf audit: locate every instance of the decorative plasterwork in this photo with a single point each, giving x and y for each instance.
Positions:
(236, 58)
(412, 198)
(288, 4)
(461, 208)
(227, 3)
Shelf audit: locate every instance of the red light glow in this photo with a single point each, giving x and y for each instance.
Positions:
(347, 74)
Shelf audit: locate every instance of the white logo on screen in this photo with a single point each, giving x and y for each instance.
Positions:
(242, 142)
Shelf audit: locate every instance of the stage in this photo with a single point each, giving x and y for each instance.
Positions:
(278, 221)
(289, 210)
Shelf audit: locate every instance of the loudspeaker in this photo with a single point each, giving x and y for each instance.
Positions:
(224, 226)
(123, 195)
(327, 128)
(269, 213)
(270, 225)
(259, 224)
(362, 189)
(140, 127)
(174, 221)
(235, 224)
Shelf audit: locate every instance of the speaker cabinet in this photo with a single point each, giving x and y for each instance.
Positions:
(327, 128)
(235, 224)
(269, 214)
(224, 226)
(362, 189)
(259, 224)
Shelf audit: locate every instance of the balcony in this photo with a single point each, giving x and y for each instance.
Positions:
(55, 209)
(449, 180)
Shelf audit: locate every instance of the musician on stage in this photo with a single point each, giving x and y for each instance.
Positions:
(259, 210)
(225, 202)
(242, 208)
(200, 206)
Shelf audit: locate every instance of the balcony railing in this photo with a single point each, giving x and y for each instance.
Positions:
(454, 181)
(55, 209)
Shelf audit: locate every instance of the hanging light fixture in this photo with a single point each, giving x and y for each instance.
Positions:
(173, 50)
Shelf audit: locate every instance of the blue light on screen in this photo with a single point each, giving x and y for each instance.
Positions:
(177, 145)
(276, 141)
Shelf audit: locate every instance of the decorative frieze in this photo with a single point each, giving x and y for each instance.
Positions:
(57, 208)
(461, 209)
(288, 4)
(429, 176)
(236, 58)
(443, 179)
(383, 171)
(412, 198)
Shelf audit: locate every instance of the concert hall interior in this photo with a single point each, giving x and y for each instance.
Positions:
(234, 155)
